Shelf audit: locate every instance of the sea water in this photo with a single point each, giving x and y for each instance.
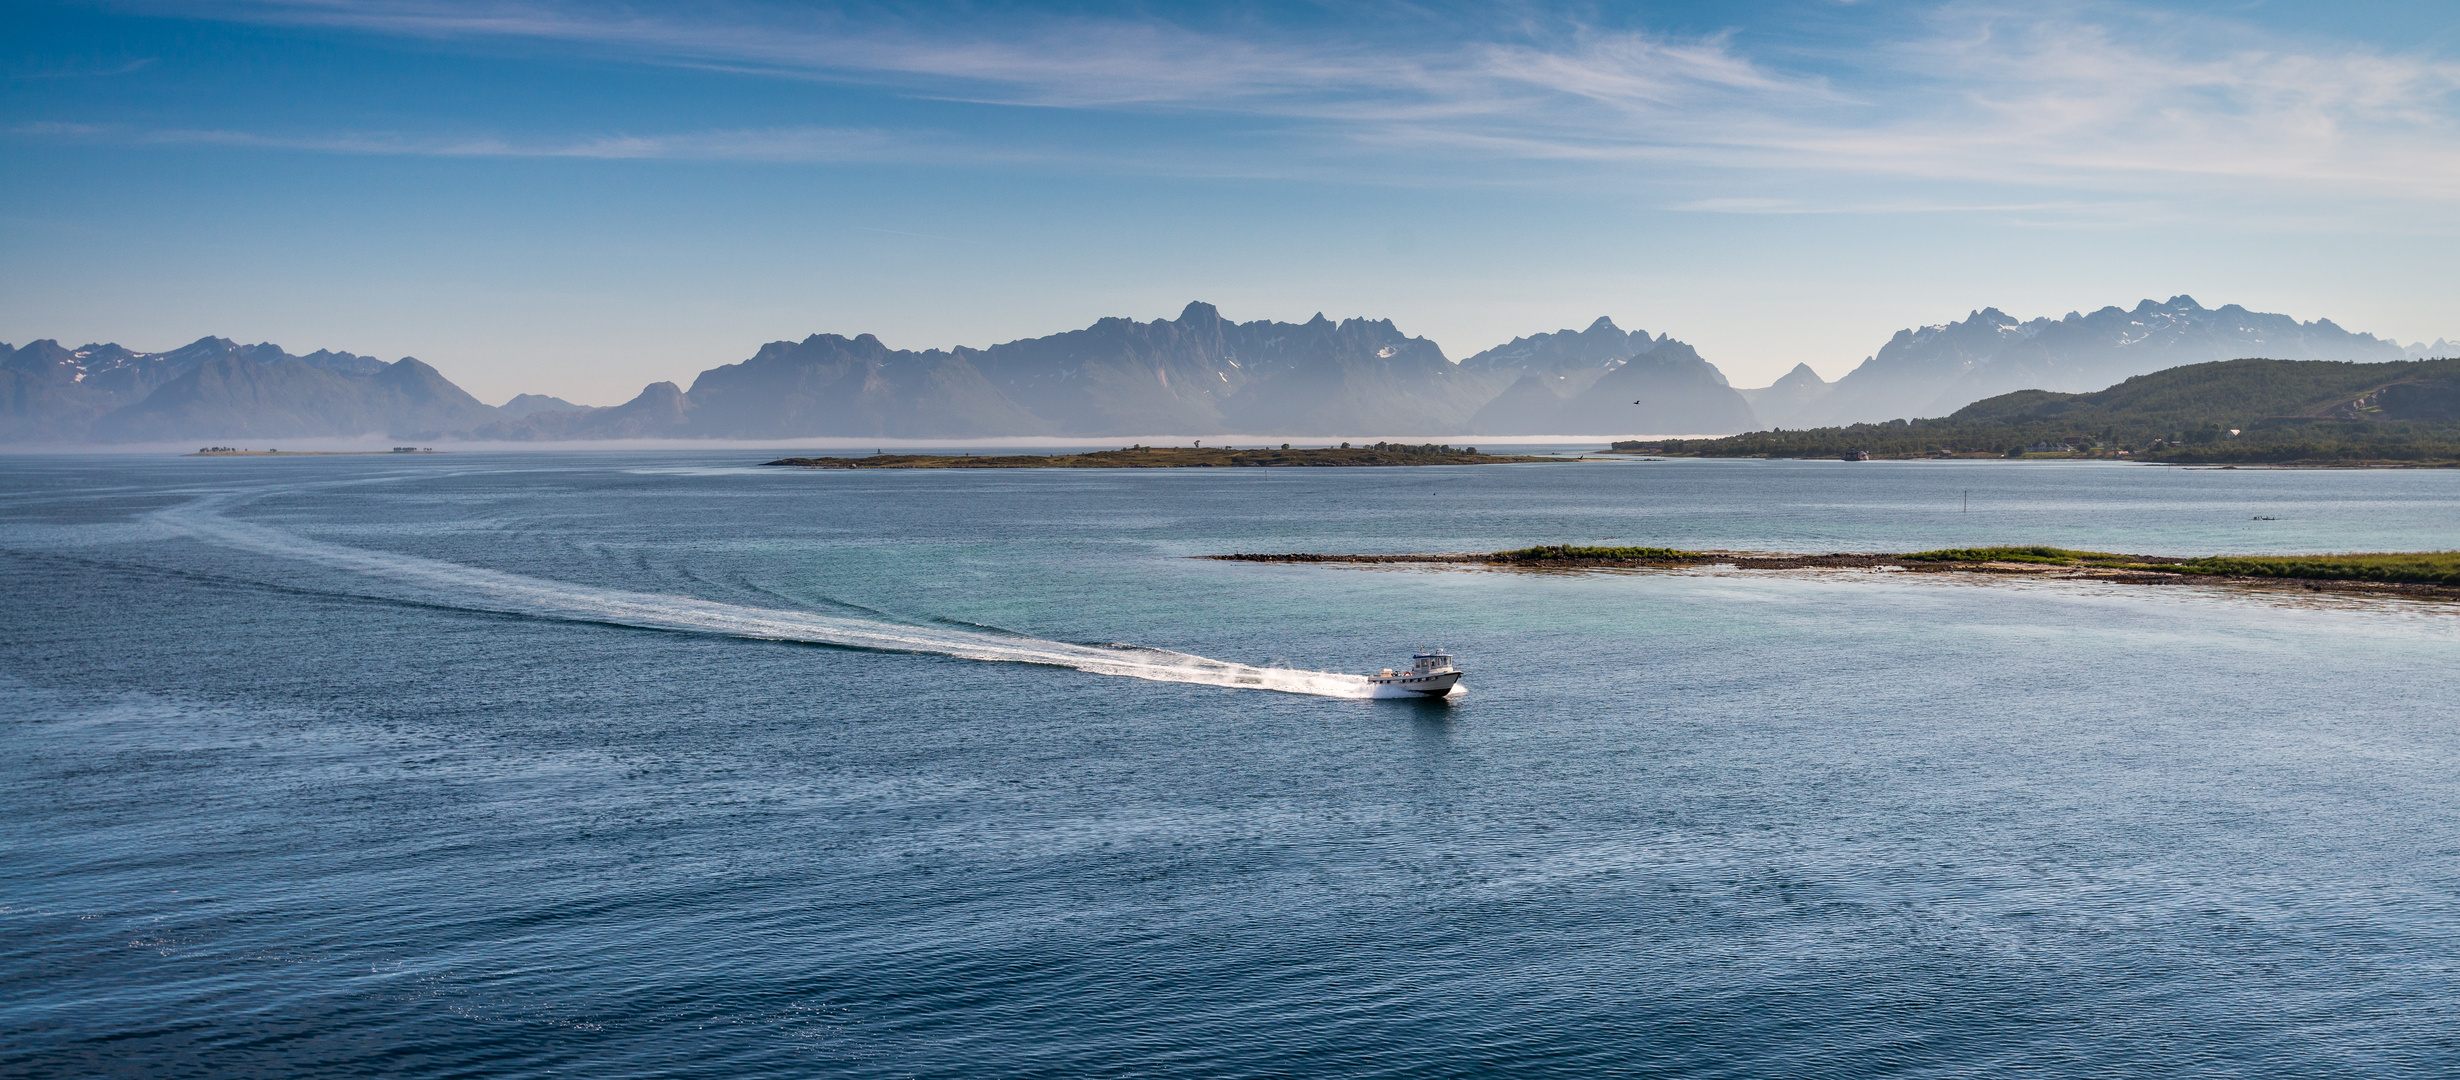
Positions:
(667, 765)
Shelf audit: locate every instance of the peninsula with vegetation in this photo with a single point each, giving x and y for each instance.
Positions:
(2280, 412)
(1181, 457)
(2434, 573)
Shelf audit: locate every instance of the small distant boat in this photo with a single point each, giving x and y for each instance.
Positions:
(1431, 674)
(1857, 455)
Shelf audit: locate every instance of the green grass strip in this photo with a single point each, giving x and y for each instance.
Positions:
(1565, 552)
(2424, 567)
(2049, 555)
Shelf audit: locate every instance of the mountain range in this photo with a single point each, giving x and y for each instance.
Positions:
(214, 388)
(1197, 375)
(1935, 370)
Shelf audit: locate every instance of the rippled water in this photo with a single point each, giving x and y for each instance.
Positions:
(633, 765)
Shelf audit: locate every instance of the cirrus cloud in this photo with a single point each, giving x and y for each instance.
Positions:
(2111, 98)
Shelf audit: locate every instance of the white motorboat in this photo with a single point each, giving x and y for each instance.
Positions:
(1431, 674)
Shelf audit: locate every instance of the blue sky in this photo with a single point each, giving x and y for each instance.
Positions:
(578, 199)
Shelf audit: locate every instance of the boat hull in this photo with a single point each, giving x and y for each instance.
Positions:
(1432, 684)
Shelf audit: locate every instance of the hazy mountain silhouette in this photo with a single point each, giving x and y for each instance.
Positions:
(1196, 375)
(1605, 380)
(532, 404)
(240, 397)
(1935, 370)
(1780, 403)
(216, 388)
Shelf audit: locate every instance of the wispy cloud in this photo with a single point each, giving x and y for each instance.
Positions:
(1086, 62)
(1082, 62)
(1996, 94)
(1749, 205)
(80, 69)
(2070, 93)
(770, 144)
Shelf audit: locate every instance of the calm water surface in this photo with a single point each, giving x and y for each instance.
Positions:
(633, 765)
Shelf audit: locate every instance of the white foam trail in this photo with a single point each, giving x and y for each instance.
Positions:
(471, 586)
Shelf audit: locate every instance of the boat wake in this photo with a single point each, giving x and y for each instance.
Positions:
(474, 588)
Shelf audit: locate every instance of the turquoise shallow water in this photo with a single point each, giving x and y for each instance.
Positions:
(653, 765)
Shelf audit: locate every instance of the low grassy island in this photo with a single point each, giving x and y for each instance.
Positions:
(1179, 457)
(2435, 573)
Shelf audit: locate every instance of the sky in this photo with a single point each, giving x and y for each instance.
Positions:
(579, 199)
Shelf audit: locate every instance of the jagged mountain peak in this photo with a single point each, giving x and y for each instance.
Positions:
(1360, 326)
(814, 348)
(529, 404)
(1934, 370)
(344, 363)
(1800, 375)
(47, 348)
(1602, 346)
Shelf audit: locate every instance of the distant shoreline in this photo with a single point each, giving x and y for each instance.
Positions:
(308, 453)
(1176, 457)
(2432, 574)
(1659, 449)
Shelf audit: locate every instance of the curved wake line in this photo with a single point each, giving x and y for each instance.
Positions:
(519, 594)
